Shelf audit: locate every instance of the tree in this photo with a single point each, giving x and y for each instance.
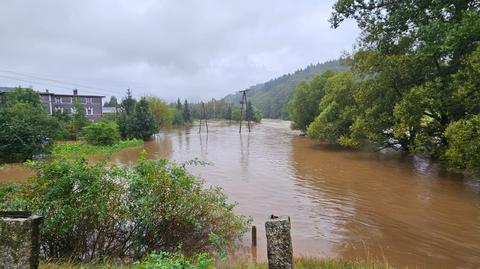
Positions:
(162, 114)
(249, 115)
(464, 141)
(303, 107)
(128, 104)
(126, 124)
(229, 115)
(112, 103)
(412, 68)
(187, 118)
(179, 105)
(26, 130)
(102, 133)
(79, 120)
(144, 123)
(336, 111)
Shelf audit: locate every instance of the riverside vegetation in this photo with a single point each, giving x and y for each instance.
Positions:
(411, 85)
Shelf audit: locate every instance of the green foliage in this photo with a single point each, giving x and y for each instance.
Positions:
(187, 117)
(64, 150)
(26, 130)
(249, 115)
(79, 120)
(271, 98)
(92, 212)
(229, 113)
(20, 95)
(136, 119)
(177, 117)
(464, 144)
(336, 111)
(161, 112)
(112, 102)
(303, 108)
(102, 133)
(144, 123)
(166, 260)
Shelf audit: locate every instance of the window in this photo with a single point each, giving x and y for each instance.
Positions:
(89, 110)
(58, 100)
(59, 109)
(89, 100)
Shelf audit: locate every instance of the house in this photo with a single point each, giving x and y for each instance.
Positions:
(64, 103)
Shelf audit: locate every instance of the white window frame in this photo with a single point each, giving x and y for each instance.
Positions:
(89, 109)
(58, 100)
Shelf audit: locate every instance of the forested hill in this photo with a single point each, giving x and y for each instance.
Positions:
(271, 97)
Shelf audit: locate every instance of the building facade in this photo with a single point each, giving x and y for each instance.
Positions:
(64, 103)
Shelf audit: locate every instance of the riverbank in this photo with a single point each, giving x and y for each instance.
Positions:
(300, 263)
(17, 172)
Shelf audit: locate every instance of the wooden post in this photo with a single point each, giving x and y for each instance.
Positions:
(254, 236)
(19, 239)
(279, 242)
(254, 243)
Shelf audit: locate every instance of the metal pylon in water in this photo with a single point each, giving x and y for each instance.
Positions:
(244, 101)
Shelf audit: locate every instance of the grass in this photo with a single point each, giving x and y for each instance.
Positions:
(84, 149)
(300, 263)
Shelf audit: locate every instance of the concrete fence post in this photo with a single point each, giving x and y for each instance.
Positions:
(279, 243)
(19, 240)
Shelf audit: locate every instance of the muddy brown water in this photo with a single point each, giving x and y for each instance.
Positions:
(342, 203)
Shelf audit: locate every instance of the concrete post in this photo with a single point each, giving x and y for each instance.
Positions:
(19, 240)
(279, 243)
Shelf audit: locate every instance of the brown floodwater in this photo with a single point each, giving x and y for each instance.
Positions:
(343, 203)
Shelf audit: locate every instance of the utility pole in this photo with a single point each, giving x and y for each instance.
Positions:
(204, 117)
(244, 101)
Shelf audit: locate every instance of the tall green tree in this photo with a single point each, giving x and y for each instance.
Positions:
(249, 114)
(303, 108)
(112, 102)
(187, 117)
(144, 122)
(79, 120)
(229, 113)
(410, 69)
(161, 112)
(26, 130)
(336, 111)
(179, 105)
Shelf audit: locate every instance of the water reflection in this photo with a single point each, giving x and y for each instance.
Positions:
(405, 210)
(342, 203)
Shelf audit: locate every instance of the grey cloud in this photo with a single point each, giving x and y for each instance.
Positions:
(172, 48)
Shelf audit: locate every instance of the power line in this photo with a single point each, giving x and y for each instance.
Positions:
(57, 83)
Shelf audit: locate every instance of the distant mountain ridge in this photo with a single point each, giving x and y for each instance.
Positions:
(272, 97)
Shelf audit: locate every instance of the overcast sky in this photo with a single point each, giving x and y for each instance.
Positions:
(188, 49)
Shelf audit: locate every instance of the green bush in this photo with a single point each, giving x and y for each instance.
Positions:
(93, 212)
(26, 131)
(464, 145)
(166, 260)
(102, 133)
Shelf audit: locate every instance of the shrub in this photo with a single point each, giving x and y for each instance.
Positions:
(464, 145)
(25, 131)
(166, 260)
(93, 212)
(102, 133)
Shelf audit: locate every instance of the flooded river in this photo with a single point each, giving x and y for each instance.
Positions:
(342, 203)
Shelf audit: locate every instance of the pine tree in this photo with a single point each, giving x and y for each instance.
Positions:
(187, 118)
(144, 123)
